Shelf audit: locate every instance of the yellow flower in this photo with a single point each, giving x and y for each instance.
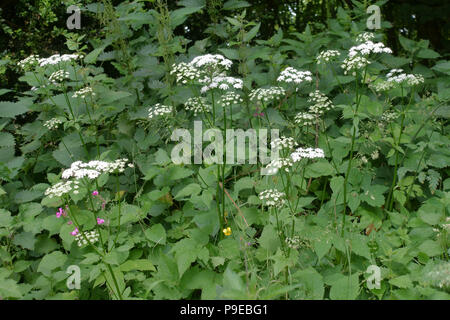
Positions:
(227, 231)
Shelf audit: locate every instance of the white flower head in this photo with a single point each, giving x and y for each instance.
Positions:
(266, 95)
(272, 198)
(221, 82)
(58, 76)
(197, 105)
(52, 124)
(230, 98)
(293, 76)
(83, 92)
(321, 103)
(305, 119)
(158, 110)
(327, 56)
(29, 62)
(307, 153)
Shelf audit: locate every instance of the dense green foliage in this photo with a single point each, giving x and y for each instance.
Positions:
(379, 196)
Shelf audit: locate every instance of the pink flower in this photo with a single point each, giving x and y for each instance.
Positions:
(70, 222)
(74, 232)
(100, 221)
(95, 193)
(60, 212)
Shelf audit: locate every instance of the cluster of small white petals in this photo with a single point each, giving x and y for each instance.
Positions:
(61, 188)
(221, 82)
(306, 119)
(439, 276)
(83, 92)
(283, 143)
(321, 103)
(355, 62)
(367, 48)
(58, 76)
(185, 72)
(272, 198)
(327, 56)
(211, 61)
(398, 76)
(292, 75)
(266, 94)
(28, 62)
(309, 153)
(230, 98)
(158, 109)
(91, 236)
(382, 86)
(197, 105)
(389, 116)
(276, 164)
(52, 123)
(364, 37)
(374, 155)
(293, 242)
(57, 58)
(93, 169)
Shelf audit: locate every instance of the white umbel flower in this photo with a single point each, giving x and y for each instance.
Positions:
(272, 198)
(327, 56)
(58, 76)
(61, 188)
(307, 153)
(93, 169)
(266, 95)
(230, 98)
(185, 72)
(211, 61)
(28, 62)
(52, 123)
(364, 37)
(397, 76)
(158, 110)
(293, 76)
(197, 105)
(305, 119)
(57, 59)
(221, 82)
(83, 92)
(277, 164)
(283, 143)
(321, 103)
(91, 236)
(367, 48)
(352, 63)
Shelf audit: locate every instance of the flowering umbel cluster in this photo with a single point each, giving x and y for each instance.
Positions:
(399, 77)
(272, 198)
(158, 110)
(93, 169)
(327, 56)
(266, 95)
(83, 92)
(197, 105)
(91, 236)
(308, 153)
(293, 76)
(52, 123)
(321, 103)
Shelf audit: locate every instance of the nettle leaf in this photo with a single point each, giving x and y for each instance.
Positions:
(373, 195)
(6, 140)
(10, 109)
(189, 190)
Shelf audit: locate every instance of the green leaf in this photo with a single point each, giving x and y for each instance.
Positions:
(189, 190)
(402, 282)
(345, 288)
(25, 239)
(319, 169)
(11, 109)
(51, 261)
(156, 233)
(252, 33)
(6, 140)
(141, 265)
